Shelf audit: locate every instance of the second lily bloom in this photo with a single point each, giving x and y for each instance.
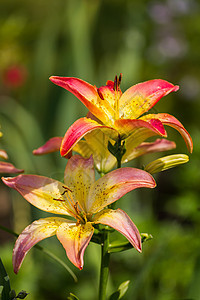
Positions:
(120, 115)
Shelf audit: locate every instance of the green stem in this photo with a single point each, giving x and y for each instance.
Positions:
(104, 272)
(118, 150)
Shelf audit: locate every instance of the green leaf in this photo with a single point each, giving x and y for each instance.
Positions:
(72, 297)
(121, 291)
(5, 282)
(1, 290)
(117, 246)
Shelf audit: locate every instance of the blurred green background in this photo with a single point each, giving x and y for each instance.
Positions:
(95, 40)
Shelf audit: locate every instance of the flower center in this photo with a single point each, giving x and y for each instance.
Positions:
(74, 208)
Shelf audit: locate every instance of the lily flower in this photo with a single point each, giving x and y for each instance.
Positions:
(82, 198)
(120, 115)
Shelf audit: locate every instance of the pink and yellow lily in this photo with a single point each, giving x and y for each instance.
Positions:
(120, 115)
(82, 198)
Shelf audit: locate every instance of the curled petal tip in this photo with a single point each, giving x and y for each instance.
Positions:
(176, 88)
(9, 181)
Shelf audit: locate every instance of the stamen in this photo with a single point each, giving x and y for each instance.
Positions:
(120, 79)
(116, 83)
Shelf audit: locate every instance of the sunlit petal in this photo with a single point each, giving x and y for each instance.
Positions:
(9, 168)
(32, 234)
(85, 92)
(126, 127)
(171, 121)
(139, 98)
(146, 148)
(43, 192)
(75, 239)
(80, 128)
(120, 221)
(79, 176)
(114, 185)
(51, 145)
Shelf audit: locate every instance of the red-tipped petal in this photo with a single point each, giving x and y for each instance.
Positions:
(139, 98)
(77, 131)
(171, 121)
(121, 222)
(126, 127)
(84, 91)
(52, 145)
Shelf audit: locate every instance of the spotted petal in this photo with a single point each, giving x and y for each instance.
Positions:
(114, 185)
(75, 239)
(79, 129)
(79, 176)
(171, 121)
(120, 221)
(139, 98)
(32, 234)
(43, 192)
(52, 145)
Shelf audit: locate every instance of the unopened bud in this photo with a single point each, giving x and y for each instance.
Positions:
(166, 162)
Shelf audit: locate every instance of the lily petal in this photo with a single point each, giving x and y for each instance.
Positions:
(141, 97)
(79, 176)
(79, 129)
(32, 234)
(114, 185)
(85, 92)
(120, 221)
(126, 127)
(3, 154)
(45, 193)
(9, 168)
(75, 239)
(171, 121)
(52, 145)
(146, 148)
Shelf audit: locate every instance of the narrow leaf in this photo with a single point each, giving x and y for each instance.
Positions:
(121, 291)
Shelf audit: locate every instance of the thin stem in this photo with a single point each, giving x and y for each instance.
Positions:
(104, 272)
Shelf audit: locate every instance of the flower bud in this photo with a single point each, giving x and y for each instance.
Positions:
(166, 162)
